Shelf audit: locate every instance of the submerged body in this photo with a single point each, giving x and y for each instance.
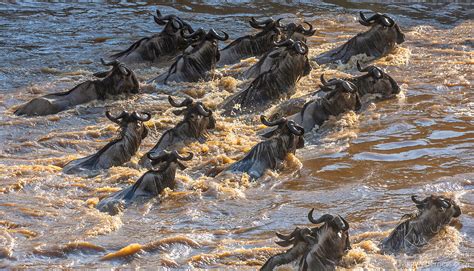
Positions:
(378, 41)
(119, 80)
(120, 150)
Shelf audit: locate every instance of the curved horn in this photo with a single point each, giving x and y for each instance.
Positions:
(184, 158)
(111, 63)
(323, 81)
(265, 22)
(203, 111)
(186, 102)
(164, 153)
(413, 198)
(346, 225)
(277, 23)
(217, 36)
(123, 70)
(368, 22)
(387, 21)
(294, 128)
(147, 116)
(310, 31)
(300, 47)
(266, 122)
(115, 119)
(322, 219)
(200, 31)
(287, 237)
(286, 43)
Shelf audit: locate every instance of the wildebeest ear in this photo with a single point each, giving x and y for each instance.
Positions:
(101, 74)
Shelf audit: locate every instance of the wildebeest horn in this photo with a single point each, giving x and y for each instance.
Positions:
(286, 43)
(115, 119)
(323, 81)
(111, 63)
(350, 87)
(288, 237)
(159, 19)
(159, 157)
(266, 122)
(375, 71)
(147, 116)
(322, 219)
(346, 227)
(214, 34)
(124, 70)
(200, 31)
(413, 198)
(384, 19)
(310, 31)
(186, 102)
(183, 158)
(256, 24)
(295, 128)
(203, 111)
(300, 47)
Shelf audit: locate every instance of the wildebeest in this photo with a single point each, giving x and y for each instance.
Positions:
(197, 120)
(197, 62)
(342, 97)
(119, 150)
(375, 82)
(434, 212)
(252, 45)
(271, 153)
(160, 47)
(318, 248)
(119, 80)
(290, 31)
(150, 184)
(378, 41)
(275, 84)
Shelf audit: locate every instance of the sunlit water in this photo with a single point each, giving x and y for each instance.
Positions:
(364, 167)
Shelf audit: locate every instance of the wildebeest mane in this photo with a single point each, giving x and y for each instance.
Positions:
(132, 47)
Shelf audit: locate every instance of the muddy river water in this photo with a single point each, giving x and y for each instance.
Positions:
(364, 167)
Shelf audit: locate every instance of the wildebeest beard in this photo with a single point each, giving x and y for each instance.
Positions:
(317, 248)
(418, 228)
(118, 151)
(149, 185)
(380, 40)
(276, 84)
(270, 153)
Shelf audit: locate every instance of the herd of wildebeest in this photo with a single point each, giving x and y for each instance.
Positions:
(283, 61)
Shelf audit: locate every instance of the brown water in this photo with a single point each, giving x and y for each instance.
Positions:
(364, 167)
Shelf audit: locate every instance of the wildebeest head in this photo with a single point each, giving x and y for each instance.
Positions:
(438, 208)
(195, 113)
(297, 32)
(343, 95)
(295, 48)
(383, 23)
(336, 230)
(173, 24)
(119, 79)
(286, 127)
(268, 28)
(169, 159)
(375, 81)
(136, 119)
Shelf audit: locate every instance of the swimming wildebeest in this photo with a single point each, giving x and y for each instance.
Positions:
(375, 82)
(119, 150)
(342, 97)
(119, 80)
(160, 47)
(197, 62)
(271, 153)
(252, 45)
(197, 120)
(318, 248)
(417, 229)
(377, 42)
(275, 84)
(290, 31)
(150, 184)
